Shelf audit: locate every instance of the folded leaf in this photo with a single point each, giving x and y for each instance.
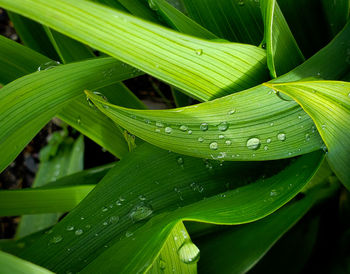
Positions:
(328, 104)
(283, 53)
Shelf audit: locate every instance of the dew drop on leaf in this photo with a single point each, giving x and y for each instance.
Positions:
(56, 239)
(78, 232)
(183, 128)
(204, 126)
(168, 130)
(213, 146)
(188, 253)
(48, 65)
(223, 126)
(253, 143)
(140, 212)
(200, 139)
(281, 136)
(180, 160)
(228, 142)
(199, 52)
(69, 228)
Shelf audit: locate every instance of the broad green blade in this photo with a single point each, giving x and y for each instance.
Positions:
(41, 200)
(14, 265)
(337, 14)
(273, 126)
(238, 249)
(283, 53)
(244, 204)
(328, 104)
(162, 183)
(178, 21)
(17, 60)
(68, 159)
(169, 260)
(28, 103)
(203, 69)
(238, 21)
(290, 254)
(33, 35)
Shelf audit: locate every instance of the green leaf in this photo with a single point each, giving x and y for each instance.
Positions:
(33, 35)
(48, 91)
(203, 69)
(242, 205)
(17, 60)
(14, 265)
(283, 53)
(238, 21)
(262, 114)
(69, 159)
(178, 21)
(168, 260)
(41, 200)
(214, 129)
(167, 181)
(141, 9)
(328, 104)
(238, 249)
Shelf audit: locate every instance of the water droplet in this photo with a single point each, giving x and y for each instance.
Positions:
(128, 234)
(113, 219)
(228, 142)
(69, 228)
(82, 218)
(307, 137)
(56, 239)
(253, 143)
(78, 232)
(272, 124)
(152, 5)
(221, 136)
(268, 140)
(104, 209)
(189, 132)
(241, 3)
(99, 94)
(180, 160)
(299, 116)
(281, 136)
(199, 52)
(200, 139)
(105, 223)
(213, 146)
(263, 45)
(142, 198)
(188, 252)
(159, 124)
(79, 121)
(157, 130)
(273, 192)
(204, 126)
(183, 128)
(266, 148)
(48, 65)
(323, 126)
(231, 112)
(223, 126)
(140, 212)
(168, 130)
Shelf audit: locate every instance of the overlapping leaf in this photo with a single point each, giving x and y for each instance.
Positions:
(203, 69)
(328, 103)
